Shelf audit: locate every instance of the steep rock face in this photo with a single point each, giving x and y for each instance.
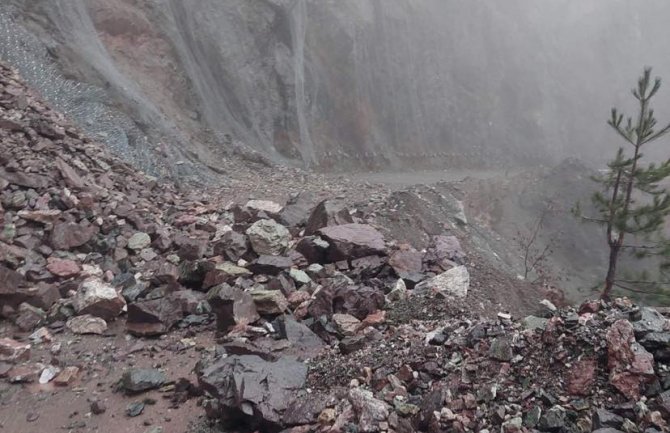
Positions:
(331, 84)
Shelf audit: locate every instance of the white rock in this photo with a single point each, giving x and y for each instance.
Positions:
(267, 237)
(266, 206)
(453, 283)
(48, 374)
(97, 298)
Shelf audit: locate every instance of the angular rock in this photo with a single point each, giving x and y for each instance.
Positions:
(444, 250)
(97, 298)
(63, 268)
(138, 380)
(369, 411)
(233, 246)
(67, 376)
(29, 317)
(269, 302)
(297, 210)
(306, 342)
(314, 249)
(452, 283)
(358, 301)
(325, 214)
(406, 261)
(232, 306)
(346, 324)
(629, 363)
(13, 351)
(352, 241)
(66, 236)
(269, 207)
(267, 237)
(501, 349)
(270, 265)
(582, 376)
(249, 387)
(603, 418)
(86, 324)
(153, 317)
(139, 241)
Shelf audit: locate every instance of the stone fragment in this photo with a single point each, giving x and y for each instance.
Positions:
(269, 302)
(153, 317)
(629, 363)
(501, 349)
(369, 411)
(66, 236)
(270, 265)
(97, 298)
(62, 267)
(267, 237)
(13, 351)
(232, 306)
(86, 324)
(269, 207)
(139, 241)
(327, 213)
(67, 376)
(249, 387)
(582, 376)
(346, 324)
(29, 317)
(453, 283)
(352, 241)
(138, 380)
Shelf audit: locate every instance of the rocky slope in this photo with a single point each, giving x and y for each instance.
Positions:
(130, 305)
(172, 85)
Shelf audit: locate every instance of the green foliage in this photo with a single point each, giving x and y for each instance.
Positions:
(632, 204)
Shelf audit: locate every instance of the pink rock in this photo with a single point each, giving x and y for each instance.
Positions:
(581, 377)
(62, 267)
(629, 363)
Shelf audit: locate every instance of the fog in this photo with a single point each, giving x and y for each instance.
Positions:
(347, 84)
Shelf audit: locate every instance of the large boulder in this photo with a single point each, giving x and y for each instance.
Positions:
(297, 210)
(327, 213)
(99, 299)
(253, 389)
(630, 365)
(352, 241)
(267, 237)
(453, 283)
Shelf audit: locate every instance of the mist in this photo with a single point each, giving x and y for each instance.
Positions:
(344, 85)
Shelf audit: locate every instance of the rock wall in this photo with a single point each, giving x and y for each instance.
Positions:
(352, 83)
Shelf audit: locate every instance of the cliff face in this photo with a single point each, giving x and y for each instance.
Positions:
(350, 83)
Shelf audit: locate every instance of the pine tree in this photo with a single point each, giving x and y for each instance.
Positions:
(631, 204)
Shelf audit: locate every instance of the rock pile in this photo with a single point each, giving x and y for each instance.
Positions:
(304, 298)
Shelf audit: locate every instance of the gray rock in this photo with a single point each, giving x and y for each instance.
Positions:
(267, 237)
(86, 324)
(501, 349)
(534, 323)
(139, 241)
(553, 420)
(352, 241)
(603, 418)
(269, 302)
(249, 386)
(142, 379)
(369, 411)
(327, 213)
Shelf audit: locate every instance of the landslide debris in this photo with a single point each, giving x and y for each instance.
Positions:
(340, 330)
